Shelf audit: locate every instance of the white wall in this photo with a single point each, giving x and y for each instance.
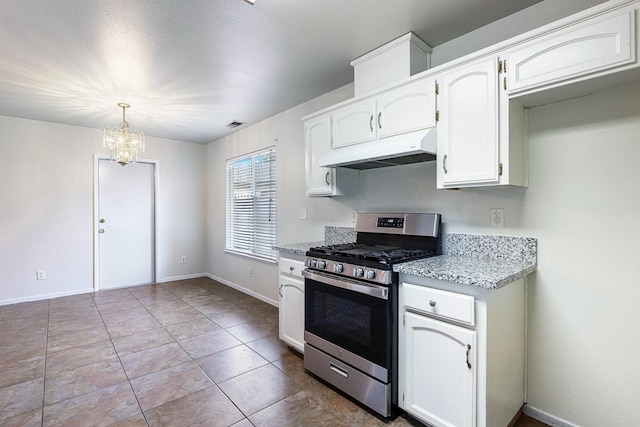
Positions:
(46, 207)
(285, 131)
(584, 174)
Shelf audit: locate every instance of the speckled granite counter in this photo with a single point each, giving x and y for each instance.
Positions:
(332, 236)
(484, 261)
(485, 273)
(297, 248)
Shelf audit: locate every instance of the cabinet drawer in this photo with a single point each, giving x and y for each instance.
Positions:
(440, 303)
(291, 266)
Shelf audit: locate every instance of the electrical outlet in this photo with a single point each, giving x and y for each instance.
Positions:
(40, 275)
(251, 272)
(497, 217)
(183, 260)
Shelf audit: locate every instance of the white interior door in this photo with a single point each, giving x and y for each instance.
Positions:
(126, 224)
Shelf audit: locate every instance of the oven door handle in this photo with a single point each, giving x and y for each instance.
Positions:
(381, 292)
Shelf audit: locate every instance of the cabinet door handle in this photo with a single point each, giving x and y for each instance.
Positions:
(444, 163)
(468, 351)
(280, 290)
(371, 122)
(379, 120)
(292, 268)
(505, 83)
(432, 303)
(326, 178)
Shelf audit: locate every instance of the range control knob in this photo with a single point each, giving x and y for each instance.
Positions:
(358, 272)
(369, 274)
(322, 264)
(313, 263)
(338, 268)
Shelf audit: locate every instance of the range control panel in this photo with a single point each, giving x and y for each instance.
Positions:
(386, 222)
(383, 277)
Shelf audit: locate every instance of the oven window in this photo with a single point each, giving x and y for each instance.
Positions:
(356, 322)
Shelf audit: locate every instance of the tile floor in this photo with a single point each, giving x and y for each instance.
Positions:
(191, 352)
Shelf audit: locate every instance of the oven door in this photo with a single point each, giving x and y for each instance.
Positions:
(350, 320)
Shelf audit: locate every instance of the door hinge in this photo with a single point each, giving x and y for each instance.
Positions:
(500, 169)
(437, 115)
(437, 89)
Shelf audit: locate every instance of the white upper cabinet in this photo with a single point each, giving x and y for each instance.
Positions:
(602, 43)
(322, 181)
(401, 110)
(468, 130)
(354, 123)
(481, 134)
(406, 109)
(318, 143)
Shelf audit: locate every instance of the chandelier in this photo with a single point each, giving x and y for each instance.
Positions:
(123, 143)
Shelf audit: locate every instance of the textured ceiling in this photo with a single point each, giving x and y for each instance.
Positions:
(188, 68)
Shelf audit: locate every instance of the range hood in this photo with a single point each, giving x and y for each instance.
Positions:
(413, 147)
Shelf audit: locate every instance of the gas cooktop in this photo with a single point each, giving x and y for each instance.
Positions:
(383, 254)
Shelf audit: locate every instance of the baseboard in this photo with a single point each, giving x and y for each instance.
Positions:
(243, 289)
(546, 417)
(184, 277)
(162, 280)
(46, 296)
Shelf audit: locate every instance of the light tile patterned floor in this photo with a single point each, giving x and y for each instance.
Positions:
(185, 353)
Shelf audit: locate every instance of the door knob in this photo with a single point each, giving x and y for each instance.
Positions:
(102, 221)
(100, 230)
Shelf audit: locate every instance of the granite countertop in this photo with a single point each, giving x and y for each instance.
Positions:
(484, 273)
(332, 236)
(297, 248)
(478, 260)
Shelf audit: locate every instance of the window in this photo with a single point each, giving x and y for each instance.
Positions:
(251, 204)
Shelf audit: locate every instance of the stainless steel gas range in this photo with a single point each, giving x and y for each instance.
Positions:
(351, 304)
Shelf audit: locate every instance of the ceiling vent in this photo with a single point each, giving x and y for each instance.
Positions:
(235, 124)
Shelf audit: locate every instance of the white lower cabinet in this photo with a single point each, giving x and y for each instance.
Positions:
(461, 352)
(291, 308)
(443, 354)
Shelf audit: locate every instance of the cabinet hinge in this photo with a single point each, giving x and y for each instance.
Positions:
(499, 66)
(403, 396)
(500, 169)
(404, 320)
(437, 88)
(438, 116)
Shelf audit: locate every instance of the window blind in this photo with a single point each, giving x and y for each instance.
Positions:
(251, 204)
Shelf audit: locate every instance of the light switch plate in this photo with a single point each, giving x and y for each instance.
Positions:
(302, 214)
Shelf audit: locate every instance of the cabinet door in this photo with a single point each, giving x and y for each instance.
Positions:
(406, 109)
(291, 312)
(319, 180)
(354, 123)
(468, 130)
(595, 45)
(440, 372)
